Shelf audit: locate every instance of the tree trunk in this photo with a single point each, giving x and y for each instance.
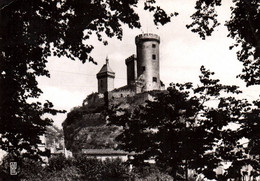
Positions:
(186, 170)
(174, 175)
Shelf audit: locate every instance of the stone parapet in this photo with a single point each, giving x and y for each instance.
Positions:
(130, 59)
(147, 36)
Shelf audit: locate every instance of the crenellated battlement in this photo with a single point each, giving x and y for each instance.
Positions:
(129, 59)
(147, 36)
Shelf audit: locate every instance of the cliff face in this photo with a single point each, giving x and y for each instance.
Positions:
(81, 124)
(85, 126)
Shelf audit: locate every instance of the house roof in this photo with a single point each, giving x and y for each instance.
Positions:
(98, 152)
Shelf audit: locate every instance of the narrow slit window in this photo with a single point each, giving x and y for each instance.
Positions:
(143, 68)
(153, 45)
(101, 83)
(154, 79)
(154, 56)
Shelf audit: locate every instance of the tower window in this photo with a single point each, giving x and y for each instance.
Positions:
(143, 68)
(101, 84)
(153, 45)
(154, 79)
(154, 56)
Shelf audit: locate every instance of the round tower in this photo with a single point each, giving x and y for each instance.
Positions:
(147, 49)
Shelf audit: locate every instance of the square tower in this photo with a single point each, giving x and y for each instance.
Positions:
(105, 78)
(131, 69)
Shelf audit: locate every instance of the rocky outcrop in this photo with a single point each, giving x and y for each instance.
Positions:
(86, 127)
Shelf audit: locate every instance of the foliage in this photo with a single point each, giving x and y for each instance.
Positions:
(59, 162)
(61, 168)
(85, 168)
(31, 31)
(182, 131)
(114, 169)
(243, 27)
(149, 172)
(31, 169)
(22, 59)
(248, 153)
(66, 174)
(90, 168)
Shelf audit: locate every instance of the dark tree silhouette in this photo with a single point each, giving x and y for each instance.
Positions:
(31, 30)
(181, 130)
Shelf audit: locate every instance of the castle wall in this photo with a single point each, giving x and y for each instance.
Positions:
(140, 99)
(129, 100)
(121, 93)
(95, 99)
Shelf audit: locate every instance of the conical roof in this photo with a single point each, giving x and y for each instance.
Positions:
(106, 70)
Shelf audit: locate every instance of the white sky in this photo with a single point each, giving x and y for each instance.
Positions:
(181, 55)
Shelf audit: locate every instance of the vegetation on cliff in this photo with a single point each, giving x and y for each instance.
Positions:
(86, 126)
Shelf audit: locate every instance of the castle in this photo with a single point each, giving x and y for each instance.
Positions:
(143, 71)
(89, 130)
(143, 74)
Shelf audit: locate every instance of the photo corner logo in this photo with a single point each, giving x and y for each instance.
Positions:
(13, 168)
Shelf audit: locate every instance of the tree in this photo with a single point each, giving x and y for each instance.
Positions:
(243, 28)
(181, 131)
(30, 31)
(248, 152)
